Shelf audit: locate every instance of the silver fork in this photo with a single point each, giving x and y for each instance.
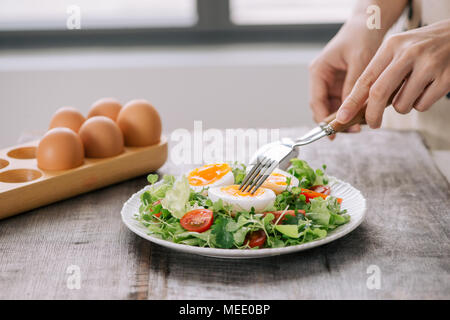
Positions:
(271, 155)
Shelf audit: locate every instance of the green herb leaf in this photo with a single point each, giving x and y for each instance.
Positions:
(288, 219)
(230, 231)
(303, 172)
(239, 172)
(152, 178)
(223, 238)
(146, 198)
(268, 219)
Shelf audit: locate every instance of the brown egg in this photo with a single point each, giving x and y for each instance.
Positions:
(60, 149)
(140, 123)
(101, 137)
(67, 117)
(107, 107)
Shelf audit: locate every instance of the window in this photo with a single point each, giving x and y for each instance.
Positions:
(269, 12)
(96, 14)
(123, 22)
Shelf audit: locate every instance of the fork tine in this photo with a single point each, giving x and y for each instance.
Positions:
(259, 184)
(263, 177)
(260, 177)
(247, 176)
(260, 166)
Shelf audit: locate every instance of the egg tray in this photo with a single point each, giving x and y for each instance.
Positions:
(24, 186)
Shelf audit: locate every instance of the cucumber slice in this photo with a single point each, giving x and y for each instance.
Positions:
(290, 230)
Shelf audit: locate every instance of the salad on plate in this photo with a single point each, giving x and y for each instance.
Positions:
(205, 208)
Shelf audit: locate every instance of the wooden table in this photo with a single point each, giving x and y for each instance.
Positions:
(405, 235)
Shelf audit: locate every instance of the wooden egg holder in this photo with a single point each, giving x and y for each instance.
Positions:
(24, 186)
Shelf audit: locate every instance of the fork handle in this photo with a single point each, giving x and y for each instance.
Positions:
(359, 118)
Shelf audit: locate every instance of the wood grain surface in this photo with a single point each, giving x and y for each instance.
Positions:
(406, 234)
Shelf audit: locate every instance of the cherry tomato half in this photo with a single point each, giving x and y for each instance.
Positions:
(198, 220)
(256, 238)
(277, 214)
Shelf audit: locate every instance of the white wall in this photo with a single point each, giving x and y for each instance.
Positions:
(226, 86)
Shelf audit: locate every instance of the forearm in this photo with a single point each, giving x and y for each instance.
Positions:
(390, 11)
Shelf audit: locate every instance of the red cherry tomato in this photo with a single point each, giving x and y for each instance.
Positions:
(198, 220)
(256, 238)
(155, 204)
(322, 189)
(309, 194)
(277, 214)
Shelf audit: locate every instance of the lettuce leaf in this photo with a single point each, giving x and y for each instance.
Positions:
(160, 191)
(327, 212)
(229, 229)
(177, 198)
(319, 212)
(239, 235)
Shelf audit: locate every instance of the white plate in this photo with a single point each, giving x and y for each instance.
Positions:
(353, 201)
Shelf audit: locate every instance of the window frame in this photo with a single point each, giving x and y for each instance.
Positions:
(214, 26)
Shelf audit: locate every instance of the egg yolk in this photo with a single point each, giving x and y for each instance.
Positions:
(234, 191)
(208, 174)
(277, 178)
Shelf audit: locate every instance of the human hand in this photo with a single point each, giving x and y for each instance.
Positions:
(334, 72)
(416, 62)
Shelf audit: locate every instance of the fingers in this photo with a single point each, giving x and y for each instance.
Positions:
(360, 92)
(433, 93)
(355, 69)
(411, 91)
(354, 129)
(380, 92)
(318, 91)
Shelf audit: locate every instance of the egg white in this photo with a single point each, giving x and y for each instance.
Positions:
(226, 180)
(243, 203)
(280, 188)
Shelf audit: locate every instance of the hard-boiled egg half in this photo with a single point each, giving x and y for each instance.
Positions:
(242, 201)
(210, 175)
(277, 181)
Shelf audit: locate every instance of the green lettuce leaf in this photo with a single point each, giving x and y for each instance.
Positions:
(177, 198)
(230, 229)
(240, 234)
(189, 234)
(319, 212)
